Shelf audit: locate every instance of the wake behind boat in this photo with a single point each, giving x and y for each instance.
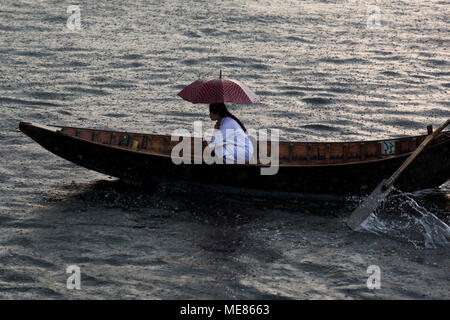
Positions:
(345, 168)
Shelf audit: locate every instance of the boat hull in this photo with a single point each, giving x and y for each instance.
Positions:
(430, 169)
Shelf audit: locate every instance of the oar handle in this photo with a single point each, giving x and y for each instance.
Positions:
(419, 149)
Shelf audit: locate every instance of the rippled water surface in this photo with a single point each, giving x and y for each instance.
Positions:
(324, 72)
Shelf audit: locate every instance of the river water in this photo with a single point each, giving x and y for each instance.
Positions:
(325, 71)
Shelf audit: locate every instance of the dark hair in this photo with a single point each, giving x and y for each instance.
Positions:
(221, 110)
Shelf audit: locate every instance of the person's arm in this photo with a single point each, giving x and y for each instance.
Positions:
(211, 145)
(213, 138)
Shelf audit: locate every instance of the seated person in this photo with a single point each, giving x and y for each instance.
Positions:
(230, 141)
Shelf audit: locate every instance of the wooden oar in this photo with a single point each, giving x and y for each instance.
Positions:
(382, 190)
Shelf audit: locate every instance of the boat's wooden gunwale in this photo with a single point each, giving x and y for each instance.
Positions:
(287, 142)
(281, 164)
(261, 165)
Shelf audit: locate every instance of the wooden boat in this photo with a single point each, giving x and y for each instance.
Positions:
(344, 168)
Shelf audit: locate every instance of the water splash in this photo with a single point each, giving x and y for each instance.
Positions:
(402, 217)
(437, 232)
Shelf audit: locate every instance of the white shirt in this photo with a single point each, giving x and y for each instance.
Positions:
(231, 143)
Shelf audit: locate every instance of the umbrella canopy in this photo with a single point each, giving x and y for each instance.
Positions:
(218, 90)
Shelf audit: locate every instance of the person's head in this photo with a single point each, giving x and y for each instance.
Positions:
(217, 111)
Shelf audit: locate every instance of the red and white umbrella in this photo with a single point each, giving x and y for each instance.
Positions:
(218, 90)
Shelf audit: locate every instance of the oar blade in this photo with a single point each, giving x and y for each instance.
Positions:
(368, 206)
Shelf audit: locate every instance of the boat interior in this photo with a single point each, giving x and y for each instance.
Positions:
(290, 153)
